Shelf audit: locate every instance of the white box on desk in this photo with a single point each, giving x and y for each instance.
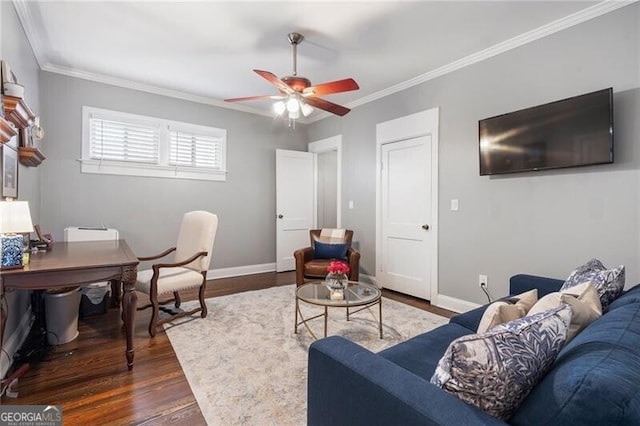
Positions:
(86, 233)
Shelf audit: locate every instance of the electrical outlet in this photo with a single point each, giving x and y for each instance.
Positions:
(483, 281)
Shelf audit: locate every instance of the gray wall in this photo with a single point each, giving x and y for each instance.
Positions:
(15, 49)
(17, 52)
(148, 211)
(327, 165)
(542, 223)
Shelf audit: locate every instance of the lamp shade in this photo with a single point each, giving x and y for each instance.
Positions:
(15, 217)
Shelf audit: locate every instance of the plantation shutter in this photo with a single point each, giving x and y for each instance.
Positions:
(195, 150)
(118, 141)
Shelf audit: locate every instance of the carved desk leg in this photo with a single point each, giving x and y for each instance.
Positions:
(115, 293)
(3, 314)
(129, 300)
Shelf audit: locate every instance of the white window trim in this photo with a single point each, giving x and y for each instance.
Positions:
(162, 169)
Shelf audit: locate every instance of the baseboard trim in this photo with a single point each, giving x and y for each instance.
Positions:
(368, 279)
(453, 304)
(237, 271)
(14, 342)
(441, 301)
(438, 300)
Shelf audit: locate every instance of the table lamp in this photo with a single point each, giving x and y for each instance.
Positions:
(15, 218)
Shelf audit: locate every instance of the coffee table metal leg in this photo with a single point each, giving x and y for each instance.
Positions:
(295, 324)
(304, 321)
(326, 314)
(380, 316)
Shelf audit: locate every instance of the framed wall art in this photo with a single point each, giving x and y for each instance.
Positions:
(9, 172)
(26, 138)
(14, 142)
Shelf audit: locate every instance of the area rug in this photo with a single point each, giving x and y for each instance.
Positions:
(245, 365)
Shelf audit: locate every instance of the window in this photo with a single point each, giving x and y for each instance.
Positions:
(112, 140)
(127, 144)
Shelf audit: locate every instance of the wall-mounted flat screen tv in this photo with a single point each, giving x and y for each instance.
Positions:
(571, 132)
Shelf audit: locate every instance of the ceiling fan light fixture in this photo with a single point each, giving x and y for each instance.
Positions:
(294, 115)
(306, 109)
(293, 105)
(279, 107)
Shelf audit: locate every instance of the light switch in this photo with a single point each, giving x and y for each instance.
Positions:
(454, 205)
(350, 204)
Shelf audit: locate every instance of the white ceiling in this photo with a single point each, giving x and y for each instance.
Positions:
(206, 51)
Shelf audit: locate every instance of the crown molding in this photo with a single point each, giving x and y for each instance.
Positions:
(569, 21)
(143, 87)
(34, 37)
(31, 30)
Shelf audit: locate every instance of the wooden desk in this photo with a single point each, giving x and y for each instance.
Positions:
(76, 263)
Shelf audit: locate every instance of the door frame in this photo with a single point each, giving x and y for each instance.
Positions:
(333, 143)
(408, 127)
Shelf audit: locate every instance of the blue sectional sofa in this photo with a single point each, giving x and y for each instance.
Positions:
(594, 381)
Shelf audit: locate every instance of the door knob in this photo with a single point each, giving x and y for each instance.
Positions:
(280, 216)
(425, 227)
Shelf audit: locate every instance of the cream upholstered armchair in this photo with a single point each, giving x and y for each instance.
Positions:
(187, 271)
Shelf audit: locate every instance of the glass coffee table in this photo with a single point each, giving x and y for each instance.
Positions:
(355, 295)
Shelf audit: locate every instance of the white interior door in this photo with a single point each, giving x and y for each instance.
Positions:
(295, 204)
(406, 216)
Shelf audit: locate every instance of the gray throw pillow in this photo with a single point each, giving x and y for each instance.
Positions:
(608, 282)
(496, 370)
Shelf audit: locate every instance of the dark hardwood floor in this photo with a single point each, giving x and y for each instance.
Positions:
(89, 377)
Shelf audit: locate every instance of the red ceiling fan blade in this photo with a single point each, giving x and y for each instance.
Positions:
(337, 86)
(254, 98)
(271, 78)
(327, 106)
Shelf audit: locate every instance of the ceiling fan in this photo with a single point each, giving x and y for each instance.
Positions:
(296, 92)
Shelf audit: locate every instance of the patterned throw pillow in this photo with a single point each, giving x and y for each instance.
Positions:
(608, 282)
(496, 370)
(507, 310)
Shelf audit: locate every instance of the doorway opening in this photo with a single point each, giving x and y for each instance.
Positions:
(328, 181)
(327, 189)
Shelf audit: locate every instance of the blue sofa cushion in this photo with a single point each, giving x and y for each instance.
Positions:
(608, 282)
(471, 319)
(496, 370)
(630, 296)
(596, 377)
(421, 354)
(523, 282)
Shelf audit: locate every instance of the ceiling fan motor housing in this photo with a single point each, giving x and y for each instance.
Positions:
(297, 83)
